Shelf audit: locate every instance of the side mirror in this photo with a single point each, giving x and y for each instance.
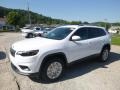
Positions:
(76, 38)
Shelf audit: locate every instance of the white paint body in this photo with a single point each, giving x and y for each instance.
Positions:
(34, 31)
(73, 50)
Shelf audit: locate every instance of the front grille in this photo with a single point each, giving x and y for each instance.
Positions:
(12, 51)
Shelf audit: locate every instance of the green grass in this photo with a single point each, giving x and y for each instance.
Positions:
(116, 40)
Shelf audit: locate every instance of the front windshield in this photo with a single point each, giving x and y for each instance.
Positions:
(58, 33)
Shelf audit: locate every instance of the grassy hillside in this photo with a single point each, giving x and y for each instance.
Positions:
(35, 17)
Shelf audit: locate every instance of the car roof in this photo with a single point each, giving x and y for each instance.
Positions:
(81, 26)
(71, 26)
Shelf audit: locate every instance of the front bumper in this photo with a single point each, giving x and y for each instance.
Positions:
(19, 65)
(22, 73)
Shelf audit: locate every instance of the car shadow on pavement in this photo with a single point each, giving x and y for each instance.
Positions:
(2, 55)
(81, 68)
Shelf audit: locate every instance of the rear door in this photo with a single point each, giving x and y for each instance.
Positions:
(96, 39)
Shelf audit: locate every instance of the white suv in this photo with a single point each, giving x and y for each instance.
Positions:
(49, 55)
(31, 32)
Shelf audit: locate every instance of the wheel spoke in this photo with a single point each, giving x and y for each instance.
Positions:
(54, 70)
(105, 55)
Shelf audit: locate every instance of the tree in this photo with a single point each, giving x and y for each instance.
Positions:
(13, 18)
(85, 22)
(105, 25)
(75, 22)
(22, 17)
(116, 24)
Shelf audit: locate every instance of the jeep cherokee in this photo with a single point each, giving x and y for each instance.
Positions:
(49, 55)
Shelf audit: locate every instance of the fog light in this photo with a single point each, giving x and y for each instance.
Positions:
(24, 68)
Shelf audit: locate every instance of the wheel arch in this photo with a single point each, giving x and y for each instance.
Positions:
(107, 46)
(59, 54)
(30, 33)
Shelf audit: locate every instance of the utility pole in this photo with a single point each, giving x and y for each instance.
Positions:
(105, 23)
(29, 18)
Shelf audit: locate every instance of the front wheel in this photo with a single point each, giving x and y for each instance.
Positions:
(30, 35)
(52, 69)
(104, 54)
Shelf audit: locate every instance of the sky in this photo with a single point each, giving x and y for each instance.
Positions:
(79, 10)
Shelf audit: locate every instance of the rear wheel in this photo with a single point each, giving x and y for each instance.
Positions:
(104, 54)
(52, 70)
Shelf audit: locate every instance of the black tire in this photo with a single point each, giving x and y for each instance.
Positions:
(30, 35)
(43, 72)
(107, 51)
(39, 35)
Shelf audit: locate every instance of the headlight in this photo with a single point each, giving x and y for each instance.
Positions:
(28, 53)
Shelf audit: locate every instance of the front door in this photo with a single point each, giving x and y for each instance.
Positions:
(79, 49)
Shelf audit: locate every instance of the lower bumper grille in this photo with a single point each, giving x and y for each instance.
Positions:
(26, 74)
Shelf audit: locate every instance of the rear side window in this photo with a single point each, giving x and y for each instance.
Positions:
(95, 32)
(101, 32)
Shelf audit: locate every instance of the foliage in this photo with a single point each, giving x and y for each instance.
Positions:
(13, 18)
(85, 23)
(115, 24)
(75, 22)
(20, 17)
(103, 24)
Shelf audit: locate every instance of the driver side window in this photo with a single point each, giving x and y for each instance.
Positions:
(82, 32)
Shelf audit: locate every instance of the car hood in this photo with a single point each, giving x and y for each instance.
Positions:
(26, 30)
(34, 44)
(38, 31)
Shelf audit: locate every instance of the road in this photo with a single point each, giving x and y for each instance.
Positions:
(87, 75)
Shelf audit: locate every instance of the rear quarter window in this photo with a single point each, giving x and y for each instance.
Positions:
(96, 32)
(100, 32)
